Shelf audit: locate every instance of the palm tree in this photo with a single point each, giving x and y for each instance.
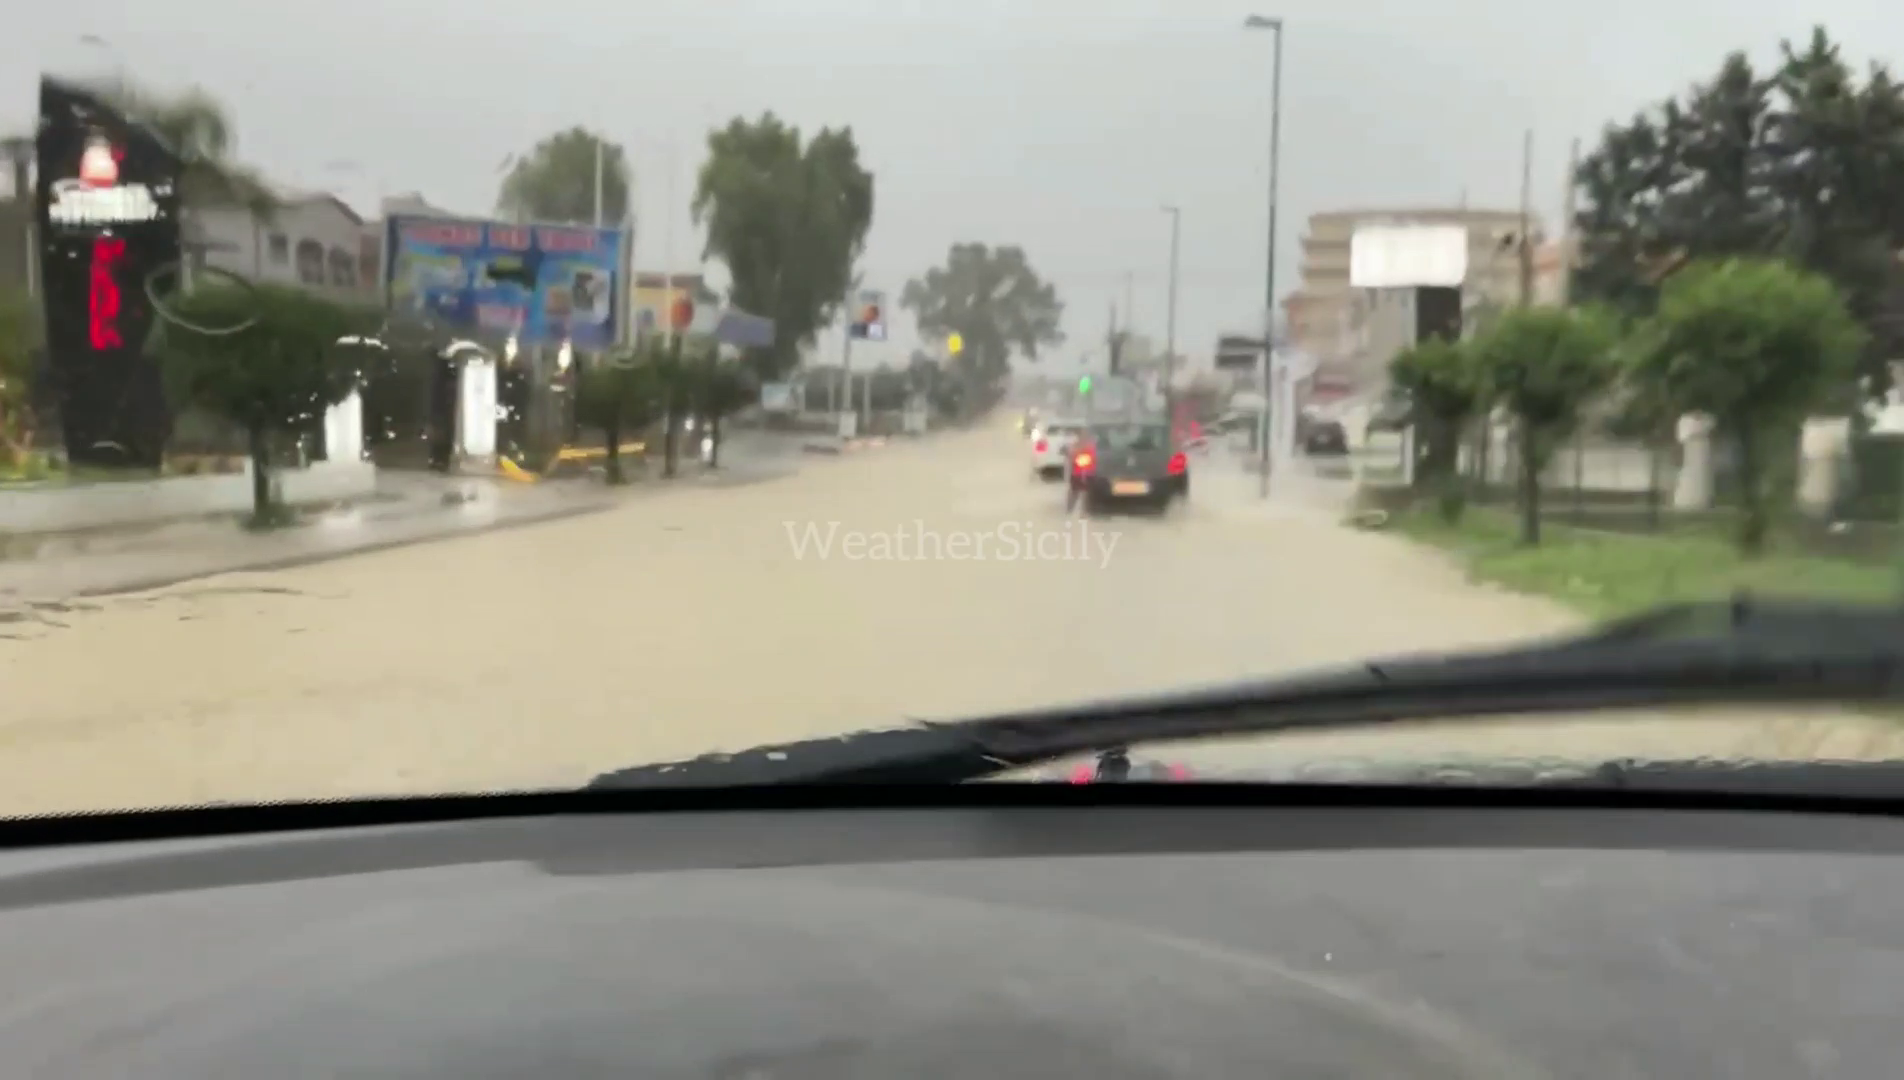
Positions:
(196, 127)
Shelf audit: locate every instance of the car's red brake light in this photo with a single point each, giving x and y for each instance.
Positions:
(1178, 464)
(1041, 446)
(1083, 462)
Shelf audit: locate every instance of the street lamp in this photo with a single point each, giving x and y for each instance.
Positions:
(1170, 317)
(1265, 22)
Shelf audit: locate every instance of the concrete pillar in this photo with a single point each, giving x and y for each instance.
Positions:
(1824, 445)
(1693, 488)
(476, 413)
(344, 430)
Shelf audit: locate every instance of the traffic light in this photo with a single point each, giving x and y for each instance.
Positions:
(1084, 384)
(955, 344)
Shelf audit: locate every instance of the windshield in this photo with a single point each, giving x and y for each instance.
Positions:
(376, 426)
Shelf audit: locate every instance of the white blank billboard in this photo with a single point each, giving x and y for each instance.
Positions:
(1408, 256)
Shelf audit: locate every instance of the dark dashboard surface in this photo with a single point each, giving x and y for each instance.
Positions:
(636, 948)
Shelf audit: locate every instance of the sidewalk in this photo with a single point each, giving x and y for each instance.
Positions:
(411, 508)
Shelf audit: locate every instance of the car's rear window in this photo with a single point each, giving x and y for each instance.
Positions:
(1135, 437)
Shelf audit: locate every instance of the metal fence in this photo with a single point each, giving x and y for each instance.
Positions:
(1621, 485)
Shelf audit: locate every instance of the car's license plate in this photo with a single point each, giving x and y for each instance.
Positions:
(1130, 487)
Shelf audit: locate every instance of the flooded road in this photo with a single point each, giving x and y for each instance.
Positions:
(930, 579)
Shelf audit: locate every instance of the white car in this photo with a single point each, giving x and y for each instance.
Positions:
(1051, 443)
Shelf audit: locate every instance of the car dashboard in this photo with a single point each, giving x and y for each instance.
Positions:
(1102, 941)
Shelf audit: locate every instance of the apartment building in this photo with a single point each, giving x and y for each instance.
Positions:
(314, 240)
(1327, 319)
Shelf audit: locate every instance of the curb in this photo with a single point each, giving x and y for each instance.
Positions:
(844, 446)
(311, 558)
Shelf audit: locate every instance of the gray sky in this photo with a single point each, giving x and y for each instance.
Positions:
(1061, 127)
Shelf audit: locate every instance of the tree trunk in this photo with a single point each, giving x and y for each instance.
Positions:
(1752, 509)
(258, 443)
(1654, 479)
(714, 447)
(671, 444)
(1530, 486)
(612, 433)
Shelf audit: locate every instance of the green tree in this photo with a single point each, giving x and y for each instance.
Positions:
(1801, 161)
(1445, 392)
(555, 181)
(1545, 366)
(788, 218)
(719, 388)
(995, 300)
(1756, 344)
(276, 376)
(620, 394)
(19, 337)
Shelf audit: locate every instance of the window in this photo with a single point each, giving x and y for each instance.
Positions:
(280, 249)
(310, 262)
(343, 268)
(1136, 437)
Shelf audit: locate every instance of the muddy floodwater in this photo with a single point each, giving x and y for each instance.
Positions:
(929, 579)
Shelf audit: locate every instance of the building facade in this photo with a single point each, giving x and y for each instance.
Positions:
(313, 241)
(1328, 319)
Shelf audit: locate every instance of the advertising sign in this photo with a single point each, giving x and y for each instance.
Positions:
(106, 208)
(663, 308)
(1406, 256)
(869, 316)
(543, 284)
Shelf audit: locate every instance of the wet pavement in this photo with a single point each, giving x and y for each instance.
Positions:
(934, 578)
(408, 508)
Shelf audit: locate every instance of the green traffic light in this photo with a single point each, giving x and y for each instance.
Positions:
(1084, 384)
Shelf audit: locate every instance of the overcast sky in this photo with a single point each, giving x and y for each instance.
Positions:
(1062, 127)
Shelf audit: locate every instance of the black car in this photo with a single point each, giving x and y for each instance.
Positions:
(1322, 438)
(1128, 463)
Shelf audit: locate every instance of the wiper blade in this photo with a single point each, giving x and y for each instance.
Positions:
(1737, 652)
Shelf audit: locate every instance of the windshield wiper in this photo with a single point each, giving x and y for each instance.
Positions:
(1736, 652)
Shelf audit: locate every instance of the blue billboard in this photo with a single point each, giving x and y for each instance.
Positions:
(543, 284)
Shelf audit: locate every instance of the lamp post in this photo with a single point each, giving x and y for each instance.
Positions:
(1275, 25)
(1170, 316)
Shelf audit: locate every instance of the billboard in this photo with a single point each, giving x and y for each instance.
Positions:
(869, 316)
(106, 210)
(663, 307)
(1408, 256)
(543, 284)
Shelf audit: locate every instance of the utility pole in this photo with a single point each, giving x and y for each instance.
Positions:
(1170, 315)
(1274, 25)
(1566, 224)
(1527, 219)
(843, 397)
(601, 167)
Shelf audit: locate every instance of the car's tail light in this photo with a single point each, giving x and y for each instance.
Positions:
(1178, 464)
(1083, 461)
(1040, 446)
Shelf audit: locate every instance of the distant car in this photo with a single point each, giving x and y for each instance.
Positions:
(1051, 447)
(1127, 464)
(1325, 438)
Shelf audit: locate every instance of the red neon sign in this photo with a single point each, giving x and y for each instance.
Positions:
(102, 322)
